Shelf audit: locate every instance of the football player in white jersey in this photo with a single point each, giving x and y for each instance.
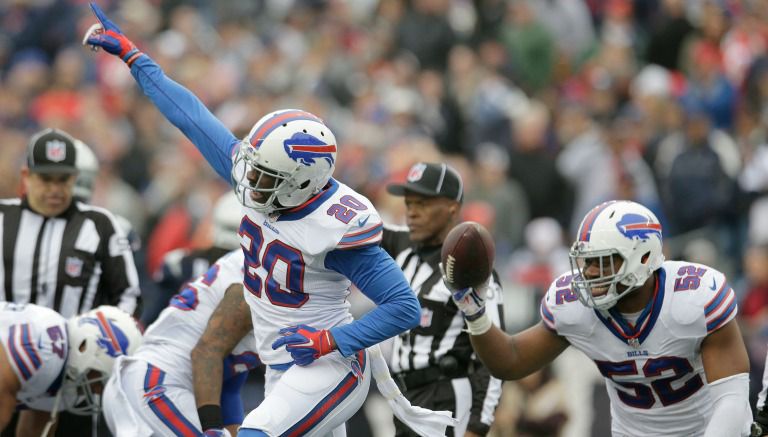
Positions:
(151, 392)
(49, 363)
(306, 238)
(662, 333)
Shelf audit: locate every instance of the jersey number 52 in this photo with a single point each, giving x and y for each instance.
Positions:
(664, 387)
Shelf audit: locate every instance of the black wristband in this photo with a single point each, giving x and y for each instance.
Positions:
(210, 417)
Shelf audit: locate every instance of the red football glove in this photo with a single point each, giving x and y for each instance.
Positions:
(108, 36)
(305, 343)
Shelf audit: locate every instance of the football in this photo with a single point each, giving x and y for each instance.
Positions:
(467, 255)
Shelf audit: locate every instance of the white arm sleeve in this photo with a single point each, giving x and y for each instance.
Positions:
(731, 414)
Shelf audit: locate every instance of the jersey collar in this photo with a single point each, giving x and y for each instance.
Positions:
(635, 335)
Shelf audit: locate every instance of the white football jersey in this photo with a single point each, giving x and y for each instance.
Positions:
(652, 368)
(35, 341)
(170, 339)
(286, 280)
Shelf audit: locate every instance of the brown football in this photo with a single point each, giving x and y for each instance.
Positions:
(467, 255)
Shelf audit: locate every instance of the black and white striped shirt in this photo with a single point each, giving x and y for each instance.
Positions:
(72, 262)
(441, 330)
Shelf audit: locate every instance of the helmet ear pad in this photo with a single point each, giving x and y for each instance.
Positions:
(294, 148)
(622, 228)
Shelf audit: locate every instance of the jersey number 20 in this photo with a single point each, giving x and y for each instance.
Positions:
(275, 251)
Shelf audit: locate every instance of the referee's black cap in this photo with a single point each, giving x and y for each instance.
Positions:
(432, 180)
(51, 151)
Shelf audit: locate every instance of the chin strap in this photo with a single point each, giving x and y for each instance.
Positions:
(54, 414)
(95, 416)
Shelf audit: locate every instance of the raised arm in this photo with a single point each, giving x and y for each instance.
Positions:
(182, 108)
(228, 324)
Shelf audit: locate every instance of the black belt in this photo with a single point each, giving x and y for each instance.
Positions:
(417, 378)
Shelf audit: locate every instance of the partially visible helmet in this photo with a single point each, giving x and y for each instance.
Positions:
(622, 228)
(96, 339)
(292, 146)
(88, 166)
(226, 221)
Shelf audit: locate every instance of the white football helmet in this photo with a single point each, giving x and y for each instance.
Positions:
(294, 148)
(88, 166)
(96, 338)
(622, 228)
(226, 221)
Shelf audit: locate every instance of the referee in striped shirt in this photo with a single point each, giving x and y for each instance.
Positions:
(434, 363)
(57, 252)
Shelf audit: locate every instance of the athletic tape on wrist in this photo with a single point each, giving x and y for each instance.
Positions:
(479, 326)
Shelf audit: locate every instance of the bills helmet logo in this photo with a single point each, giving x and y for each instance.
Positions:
(112, 339)
(305, 149)
(56, 150)
(636, 226)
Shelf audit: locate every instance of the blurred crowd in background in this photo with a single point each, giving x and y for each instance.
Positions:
(546, 107)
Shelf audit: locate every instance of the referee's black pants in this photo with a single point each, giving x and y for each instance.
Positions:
(436, 396)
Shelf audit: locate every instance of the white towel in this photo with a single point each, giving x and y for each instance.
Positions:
(426, 423)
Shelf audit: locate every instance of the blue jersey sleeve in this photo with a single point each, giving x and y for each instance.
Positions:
(378, 277)
(231, 402)
(187, 112)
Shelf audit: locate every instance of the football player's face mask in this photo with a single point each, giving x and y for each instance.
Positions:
(96, 339)
(619, 246)
(288, 157)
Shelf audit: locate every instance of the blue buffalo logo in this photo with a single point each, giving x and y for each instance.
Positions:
(112, 339)
(306, 149)
(636, 226)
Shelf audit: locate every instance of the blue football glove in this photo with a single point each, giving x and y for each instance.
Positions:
(108, 36)
(216, 433)
(305, 343)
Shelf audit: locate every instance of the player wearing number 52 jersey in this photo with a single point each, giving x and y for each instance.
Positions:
(651, 360)
(306, 238)
(662, 333)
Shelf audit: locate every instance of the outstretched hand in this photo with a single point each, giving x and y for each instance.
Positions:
(108, 36)
(305, 343)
